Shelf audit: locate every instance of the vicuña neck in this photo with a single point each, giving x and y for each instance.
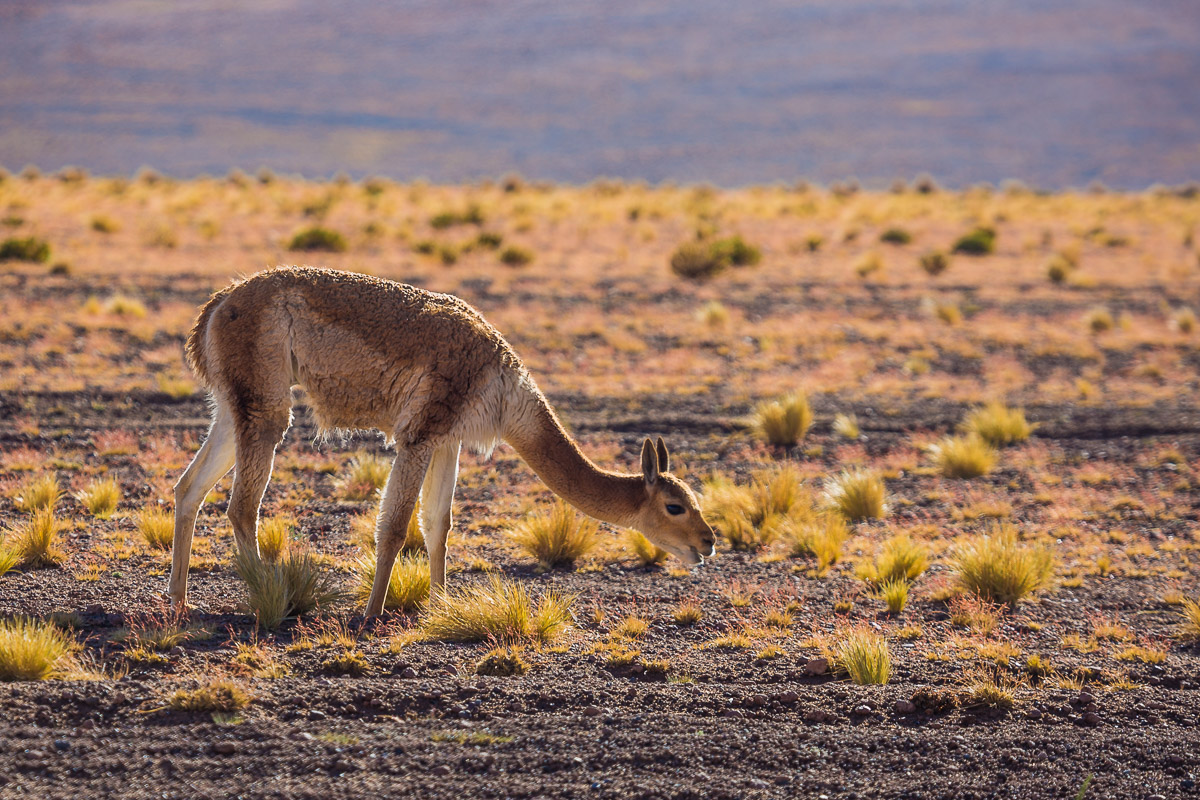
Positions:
(536, 434)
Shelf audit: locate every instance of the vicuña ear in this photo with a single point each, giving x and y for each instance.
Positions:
(649, 462)
(664, 460)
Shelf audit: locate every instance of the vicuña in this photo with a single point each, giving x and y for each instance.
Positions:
(426, 369)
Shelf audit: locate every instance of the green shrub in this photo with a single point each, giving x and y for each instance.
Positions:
(513, 256)
(313, 240)
(736, 252)
(472, 215)
(978, 242)
(30, 249)
(696, 261)
(895, 236)
(935, 262)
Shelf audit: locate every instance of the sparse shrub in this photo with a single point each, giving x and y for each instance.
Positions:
(846, 426)
(557, 537)
(273, 536)
(157, 527)
(216, 695)
(935, 262)
(894, 593)
(963, 456)
(489, 241)
(697, 261)
(990, 690)
(785, 421)
(471, 215)
(648, 553)
(714, 314)
(979, 242)
(895, 236)
(1000, 568)
(821, 536)
(32, 650)
(408, 585)
(1098, 320)
(947, 313)
(31, 249)
(688, 613)
(1189, 613)
(1142, 654)
(901, 558)
(37, 540)
(868, 264)
(736, 252)
(813, 242)
(752, 516)
(367, 474)
(857, 494)
(314, 240)
(513, 256)
(862, 655)
(975, 613)
(176, 388)
(630, 627)
(1184, 320)
(103, 224)
(1058, 269)
(293, 586)
(123, 306)
(500, 610)
(41, 492)
(347, 662)
(502, 662)
(101, 497)
(998, 425)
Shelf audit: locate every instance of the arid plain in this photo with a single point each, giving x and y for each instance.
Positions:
(777, 668)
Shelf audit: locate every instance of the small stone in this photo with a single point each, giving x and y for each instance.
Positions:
(315, 714)
(592, 711)
(1091, 718)
(62, 744)
(788, 697)
(817, 666)
(862, 710)
(224, 748)
(87, 725)
(342, 765)
(94, 608)
(732, 713)
(1085, 698)
(177, 651)
(757, 700)
(440, 771)
(905, 707)
(814, 715)
(1033, 713)
(408, 672)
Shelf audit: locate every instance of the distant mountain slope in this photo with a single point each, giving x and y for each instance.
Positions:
(1054, 93)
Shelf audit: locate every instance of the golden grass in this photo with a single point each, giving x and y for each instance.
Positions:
(32, 650)
(821, 536)
(687, 614)
(1189, 613)
(999, 567)
(967, 456)
(362, 532)
(503, 662)
(408, 585)
(36, 541)
(998, 425)
(846, 426)
(499, 610)
(630, 627)
(647, 552)
(857, 494)
(274, 533)
(894, 593)
(785, 421)
(366, 474)
(861, 654)
(9, 558)
(220, 695)
(1144, 654)
(753, 516)
(100, 497)
(901, 558)
(156, 526)
(295, 585)
(987, 690)
(558, 536)
(43, 492)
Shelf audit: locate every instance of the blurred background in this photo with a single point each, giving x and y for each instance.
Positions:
(1053, 93)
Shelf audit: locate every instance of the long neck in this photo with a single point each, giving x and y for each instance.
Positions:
(536, 434)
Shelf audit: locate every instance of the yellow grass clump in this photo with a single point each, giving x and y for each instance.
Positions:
(862, 655)
(274, 533)
(100, 497)
(750, 517)
(1189, 612)
(42, 492)
(219, 695)
(503, 662)
(784, 422)
(821, 536)
(998, 425)
(367, 474)
(36, 541)
(157, 527)
(557, 537)
(499, 610)
(999, 567)
(901, 558)
(647, 552)
(894, 593)
(967, 456)
(293, 586)
(32, 650)
(408, 585)
(857, 494)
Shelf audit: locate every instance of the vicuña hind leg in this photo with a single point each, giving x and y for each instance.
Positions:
(399, 497)
(214, 459)
(437, 496)
(256, 443)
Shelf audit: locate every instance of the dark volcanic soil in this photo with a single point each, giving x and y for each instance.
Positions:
(727, 724)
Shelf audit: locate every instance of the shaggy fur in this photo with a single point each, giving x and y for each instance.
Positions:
(427, 370)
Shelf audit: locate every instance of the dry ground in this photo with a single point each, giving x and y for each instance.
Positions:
(93, 385)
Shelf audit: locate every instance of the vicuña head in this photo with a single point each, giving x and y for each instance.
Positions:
(424, 368)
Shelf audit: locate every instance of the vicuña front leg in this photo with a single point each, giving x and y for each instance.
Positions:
(256, 445)
(437, 497)
(399, 498)
(214, 459)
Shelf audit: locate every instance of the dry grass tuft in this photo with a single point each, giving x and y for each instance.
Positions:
(894, 593)
(41, 493)
(846, 426)
(821, 536)
(785, 421)
(687, 613)
(101, 497)
(32, 650)
(967, 456)
(36, 542)
(274, 533)
(857, 494)
(500, 610)
(998, 425)
(557, 537)
(862, 655)
(502, 662)
(157, 527)
(408, 586)
(647, 552)
(220, 695)
(901, 558)
(362, 532)
(1190, 618)
(753, 516)
(367, 474)
(1000, 568)
(293, 586)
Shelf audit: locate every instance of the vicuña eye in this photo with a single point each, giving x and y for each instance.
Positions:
(674, 509)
